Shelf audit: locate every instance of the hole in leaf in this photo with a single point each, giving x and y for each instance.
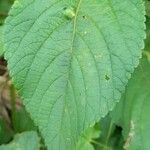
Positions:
(107, 77)
(64, 8)
(84, 17)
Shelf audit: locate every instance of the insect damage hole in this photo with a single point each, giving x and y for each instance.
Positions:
(84, 17)
(107, 77)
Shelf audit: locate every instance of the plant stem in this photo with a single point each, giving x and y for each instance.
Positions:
(108, 136)
(99, 144)
(109, 132)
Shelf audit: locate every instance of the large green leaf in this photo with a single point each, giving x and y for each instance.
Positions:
(23, 141)
(70, 60)
(134, 117)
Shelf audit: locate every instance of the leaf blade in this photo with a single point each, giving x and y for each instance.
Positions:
(49, 57)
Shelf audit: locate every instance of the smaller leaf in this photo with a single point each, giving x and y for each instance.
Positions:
(23, 141)
(147, 40)
(111, 135)
(22, 121)
(4, 8)
(147, 5)
(85, 141)
(134, 117)
(5, 133)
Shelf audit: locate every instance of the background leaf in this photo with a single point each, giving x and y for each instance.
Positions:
(5, 132)
(22, 122)
(147, 4)
(132, 111)
(1, 41)
(4, 8)
(135, 118)
(23, 141)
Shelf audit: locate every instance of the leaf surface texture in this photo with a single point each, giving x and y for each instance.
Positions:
(71, 59)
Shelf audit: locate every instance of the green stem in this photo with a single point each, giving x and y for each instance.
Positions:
(108, 136)
(109, 132)
(99, 144)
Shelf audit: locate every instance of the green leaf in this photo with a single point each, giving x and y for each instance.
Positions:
(134, 116)
(22, 122)
(1, 41)
(5, 132)
(147, 5)
(4, 8)
(70, 60)
(23, 141)
(87, 138)
(111, 135)
(147, 40)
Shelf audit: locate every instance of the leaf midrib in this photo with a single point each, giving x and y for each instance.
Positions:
(75, 22)
(72, 44)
